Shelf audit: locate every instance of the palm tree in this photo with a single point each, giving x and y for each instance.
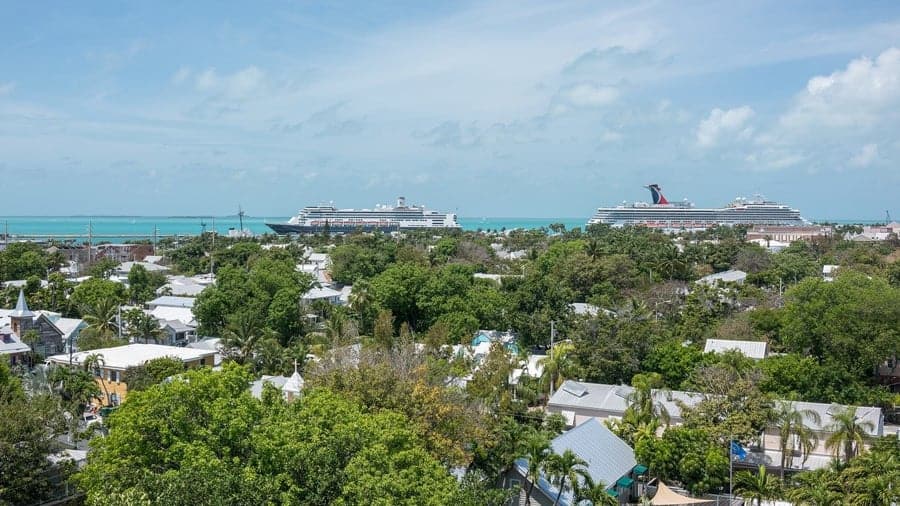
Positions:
(641, 402)
(817, 488)
(593, 248)
(562, 468)
(595, 492)
(75, 386)
(31, 337)
(95, 362)
(558, 367)
(241, 336)
(847, 433)
(144, 326)
(790, 424)
(536, 449)
(101, 318)
(759, 487)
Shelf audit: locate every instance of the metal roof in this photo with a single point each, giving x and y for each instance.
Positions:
(612, 400)
(750, 349)
(732, 276)
(123, 357)
(172, 301)
(608, 457)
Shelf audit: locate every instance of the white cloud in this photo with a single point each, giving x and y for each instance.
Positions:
(610, 136)
(7, 88)
(724, 123)
(590, 95)
(237, 85)
(865, 157)
(856, 97)
(182, 75)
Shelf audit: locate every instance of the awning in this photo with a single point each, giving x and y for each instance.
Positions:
(639, 470)
(624, 482)
(613, 493)
(665, 496)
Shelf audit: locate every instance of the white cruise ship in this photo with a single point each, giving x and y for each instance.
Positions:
(322, 218)
(683, 215)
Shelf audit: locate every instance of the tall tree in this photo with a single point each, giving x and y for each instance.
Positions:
(848, 433)
(791, 425)
(595, 492)
(536, 449)
(241, 336)
(565, 470)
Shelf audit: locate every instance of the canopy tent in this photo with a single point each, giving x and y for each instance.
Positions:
(665, 496)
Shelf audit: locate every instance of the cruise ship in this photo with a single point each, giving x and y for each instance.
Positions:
(317, 219)
(683, 215)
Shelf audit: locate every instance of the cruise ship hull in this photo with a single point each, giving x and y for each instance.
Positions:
(674, 218)
(684, 216)
(290, 228)
(327, 218)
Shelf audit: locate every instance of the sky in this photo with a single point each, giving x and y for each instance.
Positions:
(498, 108)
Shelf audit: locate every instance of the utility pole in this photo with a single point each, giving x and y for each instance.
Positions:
(155, 237)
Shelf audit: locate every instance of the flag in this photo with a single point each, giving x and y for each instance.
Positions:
(738, 451)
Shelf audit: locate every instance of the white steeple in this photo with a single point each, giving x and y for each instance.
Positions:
(295, 383)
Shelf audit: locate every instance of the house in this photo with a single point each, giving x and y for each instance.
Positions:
(115, 361)
(122, 252)
(125, 267)
(609, 460)
(730, 276)
(828, 272)
(185, 286)
(585, 309)
(579, 402)
(54, 332)
(210, 344)
(177, 333)
(750, 349)
(171, 301)
(13, 347)
(170, 309)
(184, 315)
(484, 338)
(329, 295)
(875, 233)
(532, 367)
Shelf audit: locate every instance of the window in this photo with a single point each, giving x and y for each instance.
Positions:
(113, 399)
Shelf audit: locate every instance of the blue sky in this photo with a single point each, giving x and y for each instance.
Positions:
(518, 108)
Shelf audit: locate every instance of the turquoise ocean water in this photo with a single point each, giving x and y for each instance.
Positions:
(108, 227)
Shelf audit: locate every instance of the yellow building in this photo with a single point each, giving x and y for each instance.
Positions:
(113, 362)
